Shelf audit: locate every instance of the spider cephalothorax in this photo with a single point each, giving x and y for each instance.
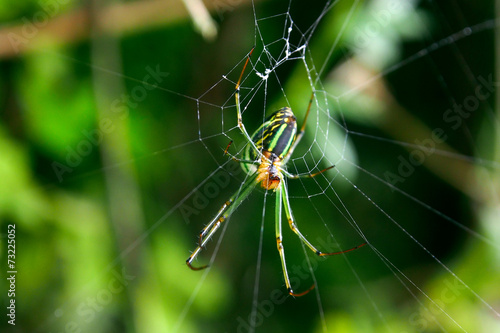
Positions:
(269, 171)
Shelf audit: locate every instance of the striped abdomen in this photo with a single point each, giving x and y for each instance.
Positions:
(276, 135)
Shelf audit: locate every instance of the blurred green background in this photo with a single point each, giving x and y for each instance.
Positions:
(114, 119)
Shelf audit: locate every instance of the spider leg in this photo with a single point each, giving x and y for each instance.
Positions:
(310, 175)
(243, 161)
(234, 158)
(224, 212)
(295, 229)
(238, 107)
(217, 219)
(279, 242)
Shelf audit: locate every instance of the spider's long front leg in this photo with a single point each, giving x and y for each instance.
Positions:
(224, 212)
(279, 241)
(238, 106)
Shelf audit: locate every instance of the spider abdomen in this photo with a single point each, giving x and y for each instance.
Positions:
(276, 135)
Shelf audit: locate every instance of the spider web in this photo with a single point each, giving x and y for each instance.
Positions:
(431, 289)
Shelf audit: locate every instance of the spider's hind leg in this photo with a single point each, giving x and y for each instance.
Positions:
(224, 212)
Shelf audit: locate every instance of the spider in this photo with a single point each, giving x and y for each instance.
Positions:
(265, 159)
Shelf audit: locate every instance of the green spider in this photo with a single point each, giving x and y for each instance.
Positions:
(265, 159)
